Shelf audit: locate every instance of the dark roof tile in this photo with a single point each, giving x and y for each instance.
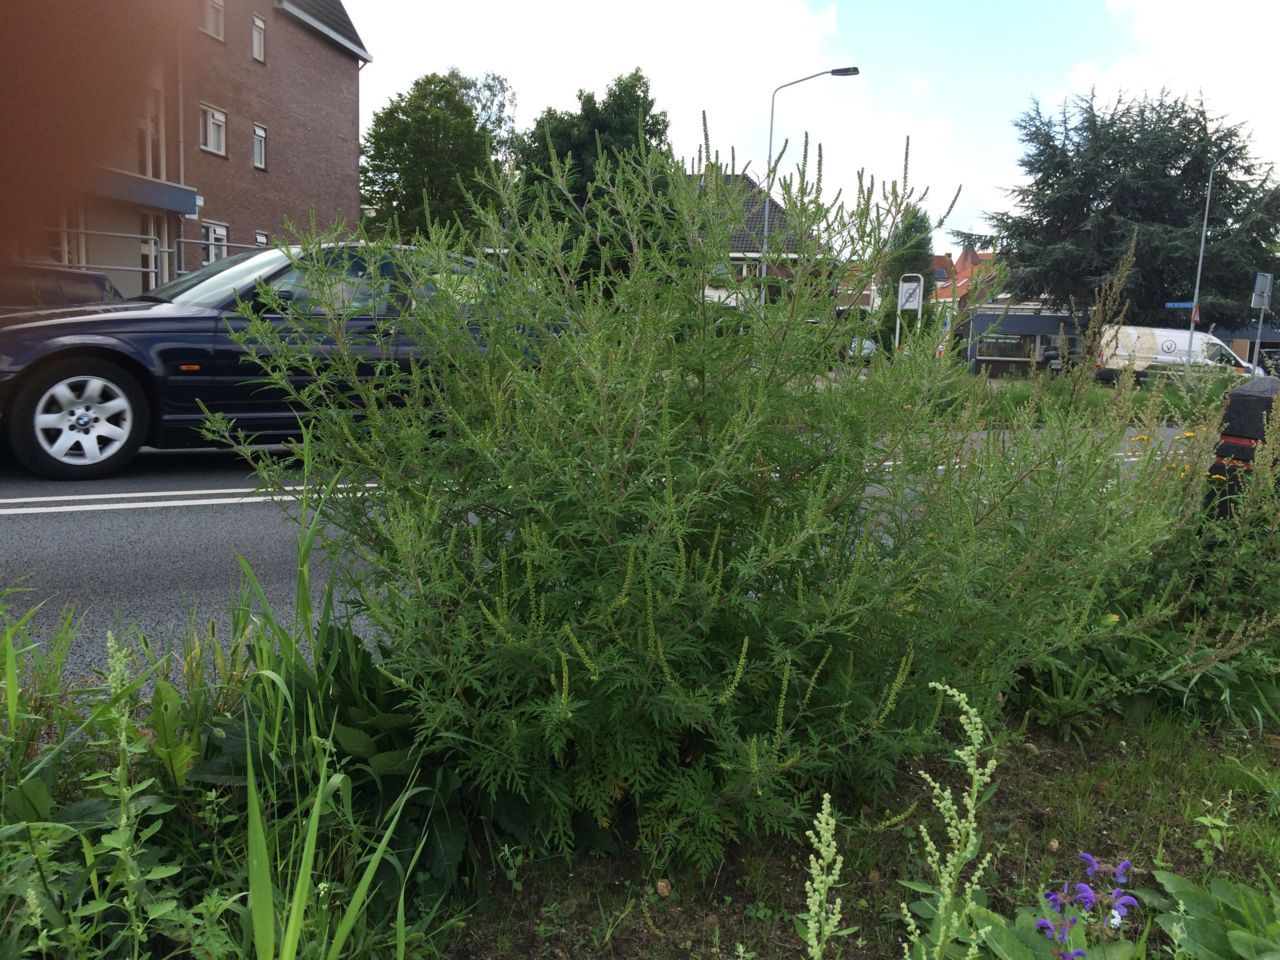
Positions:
(330, 18)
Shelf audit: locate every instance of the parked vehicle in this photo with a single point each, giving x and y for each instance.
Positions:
(81, 389)
(1270, 361)
(37, 286)
(1152, 351)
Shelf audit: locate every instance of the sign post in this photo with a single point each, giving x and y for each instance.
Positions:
(1261, 300)
(910, 297)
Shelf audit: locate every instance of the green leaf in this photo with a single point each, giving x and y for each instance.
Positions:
(919, 887)
(28, 801)
(355, 742)
(161, 908)
(1004, 943)
(394, 762)
(1253, 947)
(444, 851)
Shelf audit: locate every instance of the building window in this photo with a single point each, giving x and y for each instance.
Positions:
(259, 38)
(213, 129)
(259, 146)
(213, 236)
(213, 18)
(260, 238)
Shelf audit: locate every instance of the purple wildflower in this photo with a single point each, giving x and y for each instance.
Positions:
(1085, 896)
(1058, 901)
(1121, 902)
(1056, 930)
(1092, 862)
(1069, 955)
(1121, 873)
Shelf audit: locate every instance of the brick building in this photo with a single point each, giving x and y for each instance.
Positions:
(224, 121)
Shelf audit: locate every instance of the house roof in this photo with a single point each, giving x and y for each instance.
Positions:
(961, 274)
(748, 238)
(328, 18)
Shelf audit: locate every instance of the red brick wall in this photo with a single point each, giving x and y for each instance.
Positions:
(305, 94)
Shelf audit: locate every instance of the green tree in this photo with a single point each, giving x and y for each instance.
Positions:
(623, 120)
(1101, 176)
(421, 156)
(909, 249)
(493, 102)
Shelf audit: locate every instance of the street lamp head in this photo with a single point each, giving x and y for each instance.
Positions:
(845, 72)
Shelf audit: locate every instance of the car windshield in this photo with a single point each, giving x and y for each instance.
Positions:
(214, 284)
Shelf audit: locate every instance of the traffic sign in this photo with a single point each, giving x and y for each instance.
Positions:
(1180, 305)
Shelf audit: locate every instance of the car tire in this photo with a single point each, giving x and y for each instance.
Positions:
(81, 418)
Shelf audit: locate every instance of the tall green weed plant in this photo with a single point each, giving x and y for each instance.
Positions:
(654, 568)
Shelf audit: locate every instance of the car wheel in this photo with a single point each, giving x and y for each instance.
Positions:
(77, 419)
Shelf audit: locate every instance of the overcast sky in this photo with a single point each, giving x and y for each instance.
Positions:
(951, 76)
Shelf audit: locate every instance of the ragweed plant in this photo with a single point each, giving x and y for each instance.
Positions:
(955, 870)
(821, 922)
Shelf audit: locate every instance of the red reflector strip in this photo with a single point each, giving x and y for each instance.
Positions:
(1238, 441)
(189, 367)
(1233, 462)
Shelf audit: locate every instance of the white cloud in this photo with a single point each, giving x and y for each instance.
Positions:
(727, 58)
(1219, 51)
(724, 59)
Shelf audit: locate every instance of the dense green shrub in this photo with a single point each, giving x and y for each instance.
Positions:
(647, 568)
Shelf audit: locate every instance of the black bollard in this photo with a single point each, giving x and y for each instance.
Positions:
(1243, 425)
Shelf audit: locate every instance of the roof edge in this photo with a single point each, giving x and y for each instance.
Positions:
(292, 8)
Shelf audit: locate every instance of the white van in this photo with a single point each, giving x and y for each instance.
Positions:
(1155, 350)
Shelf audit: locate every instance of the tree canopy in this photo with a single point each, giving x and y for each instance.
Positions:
(1137, 170)
(623, 120)
(424, 149)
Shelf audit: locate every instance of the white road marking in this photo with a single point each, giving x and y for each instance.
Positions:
(77, 504)
(145, 505)
(131, 496)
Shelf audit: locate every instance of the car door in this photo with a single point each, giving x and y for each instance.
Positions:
(350, 285)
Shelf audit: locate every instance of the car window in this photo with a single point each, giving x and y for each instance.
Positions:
(85, 288)
(359, 289)
(219, 283)
(45, 291)
(15, 288)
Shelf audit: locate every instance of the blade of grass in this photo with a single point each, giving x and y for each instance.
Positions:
(352, 913)
(11, 666)
(302, 887)
(261, 893)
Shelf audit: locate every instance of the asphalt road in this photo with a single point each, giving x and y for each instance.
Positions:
(155, 548)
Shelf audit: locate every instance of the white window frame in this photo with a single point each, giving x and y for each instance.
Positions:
(213, 129)
(259, 42)
(213, 241)
(215, 19)
(259, 146)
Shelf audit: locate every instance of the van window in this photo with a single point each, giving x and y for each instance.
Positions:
(1217, 353)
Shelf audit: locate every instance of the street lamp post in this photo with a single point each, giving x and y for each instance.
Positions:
(768, 196)
(1204, 232)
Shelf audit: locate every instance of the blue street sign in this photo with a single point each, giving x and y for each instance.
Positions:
(1180, 305)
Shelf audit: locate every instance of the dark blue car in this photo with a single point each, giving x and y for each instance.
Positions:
(81, 389)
